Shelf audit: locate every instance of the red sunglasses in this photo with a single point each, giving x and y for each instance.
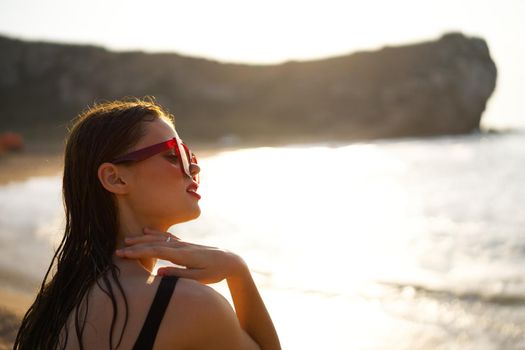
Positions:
(185, 156)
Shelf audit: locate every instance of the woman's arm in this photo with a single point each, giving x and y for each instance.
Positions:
(250, 309)
(210, 265)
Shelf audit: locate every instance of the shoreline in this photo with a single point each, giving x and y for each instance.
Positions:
(21, 166)
(45, 157)
(15, 301)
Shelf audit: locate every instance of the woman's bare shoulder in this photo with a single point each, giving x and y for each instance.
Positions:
(191, 291)
(196, 302)
(204, 318)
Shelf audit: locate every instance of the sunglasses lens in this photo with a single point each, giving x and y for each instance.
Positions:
(196, 178)
(188, 159)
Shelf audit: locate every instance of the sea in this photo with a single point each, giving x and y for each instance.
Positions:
(414, 243)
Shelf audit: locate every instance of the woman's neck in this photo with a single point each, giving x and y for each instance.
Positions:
(134, 229)
(137, 267)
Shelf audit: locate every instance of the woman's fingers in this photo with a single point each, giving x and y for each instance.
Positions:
(177, 256)
(150, 232)
(199, 245)
(174, 242)
(151, 236)
(201, 263)
(150, 239)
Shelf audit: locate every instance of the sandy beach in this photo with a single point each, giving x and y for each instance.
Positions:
(20, 166)
(13, 305)
(36, 159)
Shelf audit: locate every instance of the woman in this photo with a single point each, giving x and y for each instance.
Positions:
(127, 178)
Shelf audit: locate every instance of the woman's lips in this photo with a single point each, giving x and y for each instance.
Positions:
(192, 189)
(194, 194)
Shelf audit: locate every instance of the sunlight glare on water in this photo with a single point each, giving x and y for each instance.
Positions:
(315, 208)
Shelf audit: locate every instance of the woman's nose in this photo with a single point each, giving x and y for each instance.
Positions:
(194, 169)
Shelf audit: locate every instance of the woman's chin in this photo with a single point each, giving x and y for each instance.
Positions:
(192, 215)
(196, 214)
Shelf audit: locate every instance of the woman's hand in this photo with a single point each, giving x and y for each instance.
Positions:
(210, 265)
(203, 263)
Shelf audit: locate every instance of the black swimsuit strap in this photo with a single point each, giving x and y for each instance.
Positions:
(156, 312)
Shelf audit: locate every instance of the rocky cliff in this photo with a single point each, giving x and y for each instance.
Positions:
(431, 88)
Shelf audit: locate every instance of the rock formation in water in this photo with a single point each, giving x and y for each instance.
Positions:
(431, 88)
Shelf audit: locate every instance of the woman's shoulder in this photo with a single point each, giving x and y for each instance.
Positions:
(204, 318)
(193, 293)
(194, 302)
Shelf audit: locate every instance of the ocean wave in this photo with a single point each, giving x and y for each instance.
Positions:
(415, 291)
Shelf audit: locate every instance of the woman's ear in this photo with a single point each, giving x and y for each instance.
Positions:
(112, 178)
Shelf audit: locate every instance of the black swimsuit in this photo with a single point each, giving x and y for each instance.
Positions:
(156, 312)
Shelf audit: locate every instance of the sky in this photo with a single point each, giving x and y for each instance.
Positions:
(273, 31)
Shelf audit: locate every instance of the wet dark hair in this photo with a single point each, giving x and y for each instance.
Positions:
(84, 256)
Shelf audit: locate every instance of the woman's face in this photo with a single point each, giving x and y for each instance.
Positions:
(158, 185)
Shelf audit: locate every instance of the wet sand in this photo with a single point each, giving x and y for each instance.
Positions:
(9, 323)
(13, 305)
(21, 166)
(37, 158)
